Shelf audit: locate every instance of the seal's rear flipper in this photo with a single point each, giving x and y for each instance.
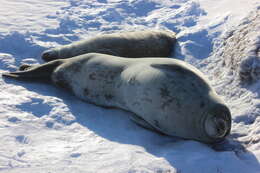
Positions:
(36, 73)
(11, 75)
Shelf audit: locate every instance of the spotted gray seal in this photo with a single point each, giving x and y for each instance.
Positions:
(167, 95)
(151, 43)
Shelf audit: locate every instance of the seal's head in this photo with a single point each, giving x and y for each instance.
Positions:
(49, 55)
(217, 123)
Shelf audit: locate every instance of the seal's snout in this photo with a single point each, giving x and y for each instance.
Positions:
(218, 122)
(49, 55)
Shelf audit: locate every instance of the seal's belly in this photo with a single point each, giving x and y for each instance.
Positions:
(165, 100)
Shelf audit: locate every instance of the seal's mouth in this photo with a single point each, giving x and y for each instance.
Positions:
(217, 124)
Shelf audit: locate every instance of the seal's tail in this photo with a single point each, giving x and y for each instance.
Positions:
(37, 73)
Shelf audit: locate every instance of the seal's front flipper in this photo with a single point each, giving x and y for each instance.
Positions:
(36, 73)
(140, 121)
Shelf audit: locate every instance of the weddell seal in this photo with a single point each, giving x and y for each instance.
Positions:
(167, 95)
(151, 43)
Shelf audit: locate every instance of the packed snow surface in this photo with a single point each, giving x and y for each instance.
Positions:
(45, 129)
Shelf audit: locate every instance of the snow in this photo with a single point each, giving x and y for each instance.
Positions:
(238, 57)
(45, 129)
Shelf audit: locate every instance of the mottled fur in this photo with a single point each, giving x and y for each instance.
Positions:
(126, 44)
